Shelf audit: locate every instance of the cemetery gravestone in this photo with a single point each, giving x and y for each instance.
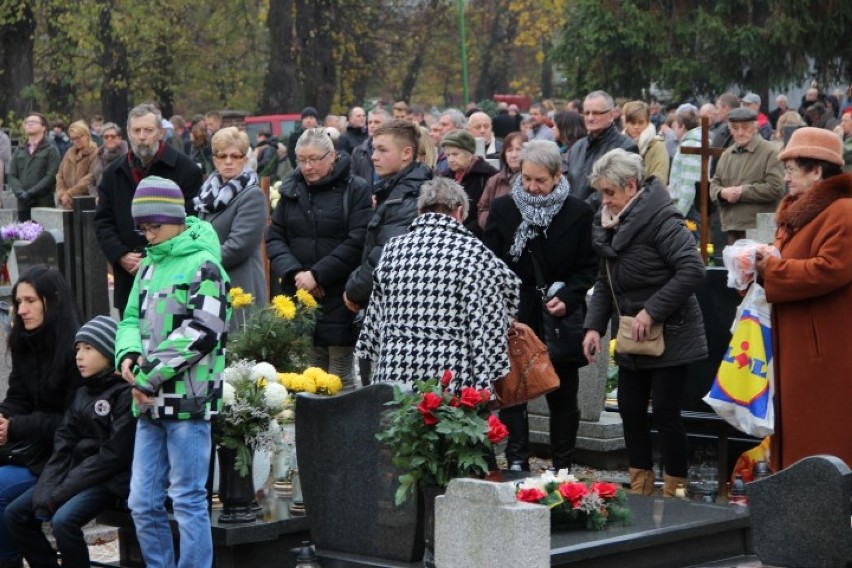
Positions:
(348, 480)
(480, 523)
(800, 515)
(44, 249)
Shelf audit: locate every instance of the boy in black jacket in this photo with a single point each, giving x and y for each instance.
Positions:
(89, 469)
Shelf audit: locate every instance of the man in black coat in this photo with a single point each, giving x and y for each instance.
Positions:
(603, 136)
(504, 123)
(114, 225)
(362, 155)
(310, 119)
(356, 130)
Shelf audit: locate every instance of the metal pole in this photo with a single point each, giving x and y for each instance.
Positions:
(463, 52)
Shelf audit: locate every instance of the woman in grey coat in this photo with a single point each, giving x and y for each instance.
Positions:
(655, 270)
(231, 200)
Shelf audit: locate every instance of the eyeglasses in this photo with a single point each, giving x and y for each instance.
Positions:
(312, 161)
(232, 157)
(596, 112)
(788, 171)
(142, 231)
(110, 136)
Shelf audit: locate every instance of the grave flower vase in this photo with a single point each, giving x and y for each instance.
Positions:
(236, 492)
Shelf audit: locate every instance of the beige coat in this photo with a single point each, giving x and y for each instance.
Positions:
(757, 169)
(75, 172)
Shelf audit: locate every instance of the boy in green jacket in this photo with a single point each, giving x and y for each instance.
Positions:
(170, 347)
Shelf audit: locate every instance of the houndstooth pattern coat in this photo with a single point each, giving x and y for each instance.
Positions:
(441, 300)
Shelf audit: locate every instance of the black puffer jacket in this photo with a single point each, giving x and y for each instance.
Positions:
(585, 152)
(655, 266)
(309, 232)
(473, 183)
(93, 445)
(396, 208)
(362, 162)
(35, 402)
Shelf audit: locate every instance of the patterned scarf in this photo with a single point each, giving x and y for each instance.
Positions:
(138, 169)
(537, 211)
(214, 196)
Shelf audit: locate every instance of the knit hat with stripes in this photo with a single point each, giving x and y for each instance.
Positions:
(100, 334)
(158, 200)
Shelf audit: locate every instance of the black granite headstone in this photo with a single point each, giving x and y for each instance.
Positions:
(348, 480)
(41, 250)
(800, 515)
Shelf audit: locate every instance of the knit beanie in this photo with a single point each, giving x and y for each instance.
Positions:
(460, 139)
(310, 111)
(158, 200)
(814, 143)
(100, 334)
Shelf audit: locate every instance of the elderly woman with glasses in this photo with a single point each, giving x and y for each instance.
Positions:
(453, 316)
(232, 201)
(650, 270)
(545, 236)
(114, 147)
(316, 239)
(810, 289)
(74, 177)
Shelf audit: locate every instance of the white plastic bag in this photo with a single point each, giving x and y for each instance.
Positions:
(744, 388)
(739, 260)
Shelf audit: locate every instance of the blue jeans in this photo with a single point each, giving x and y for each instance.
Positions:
(14, 480)
(173, 454)
(67, 522)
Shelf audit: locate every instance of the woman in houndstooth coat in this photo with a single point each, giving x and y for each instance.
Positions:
(441, 299)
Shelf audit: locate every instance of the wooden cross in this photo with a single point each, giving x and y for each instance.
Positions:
(706, 152)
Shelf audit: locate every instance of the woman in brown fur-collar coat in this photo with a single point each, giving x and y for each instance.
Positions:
(810, 288)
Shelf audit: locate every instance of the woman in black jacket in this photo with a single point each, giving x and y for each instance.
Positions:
(655, 270)
(544, 235)
(316, 239)
(41, 385)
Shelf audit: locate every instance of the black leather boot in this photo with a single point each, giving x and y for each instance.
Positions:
(517, 446)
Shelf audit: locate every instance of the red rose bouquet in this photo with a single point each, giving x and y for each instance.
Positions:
(573, 502)
(436, 435)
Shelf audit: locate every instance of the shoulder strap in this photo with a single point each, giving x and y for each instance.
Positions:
(609, 279)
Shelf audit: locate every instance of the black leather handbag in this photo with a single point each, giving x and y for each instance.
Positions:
(23, 453)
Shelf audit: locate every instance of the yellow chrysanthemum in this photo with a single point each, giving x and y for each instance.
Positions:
(612, 347)
(333, 384)
(313, 373)
(239, 301)
(237, 291)
(306, 299)
(287, 379)
(284, 307)
(691, 225)
(261, 382)
(306, 384)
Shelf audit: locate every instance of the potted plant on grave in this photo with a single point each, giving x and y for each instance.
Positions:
(251, 400)
(434, 436)
(573, 503)
(280, 334)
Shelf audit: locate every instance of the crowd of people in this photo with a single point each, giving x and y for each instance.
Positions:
(422, 238)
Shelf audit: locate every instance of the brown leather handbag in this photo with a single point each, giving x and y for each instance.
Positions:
(532, 374)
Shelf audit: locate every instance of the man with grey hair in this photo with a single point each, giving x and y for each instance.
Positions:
(454, 316)
(539, 130)
(603, 136)
(479, 124)
(752, 101)
(362, 154)
(149, 155)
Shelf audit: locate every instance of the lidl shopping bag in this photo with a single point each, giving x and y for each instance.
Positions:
(743, 389)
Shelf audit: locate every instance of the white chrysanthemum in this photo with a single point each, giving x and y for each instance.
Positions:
(229, 393)
(564, 476)
(275, 395)
(532, 483)
(286, 415)
(264, 371)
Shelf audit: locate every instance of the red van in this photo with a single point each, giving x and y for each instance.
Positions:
(280, 125)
